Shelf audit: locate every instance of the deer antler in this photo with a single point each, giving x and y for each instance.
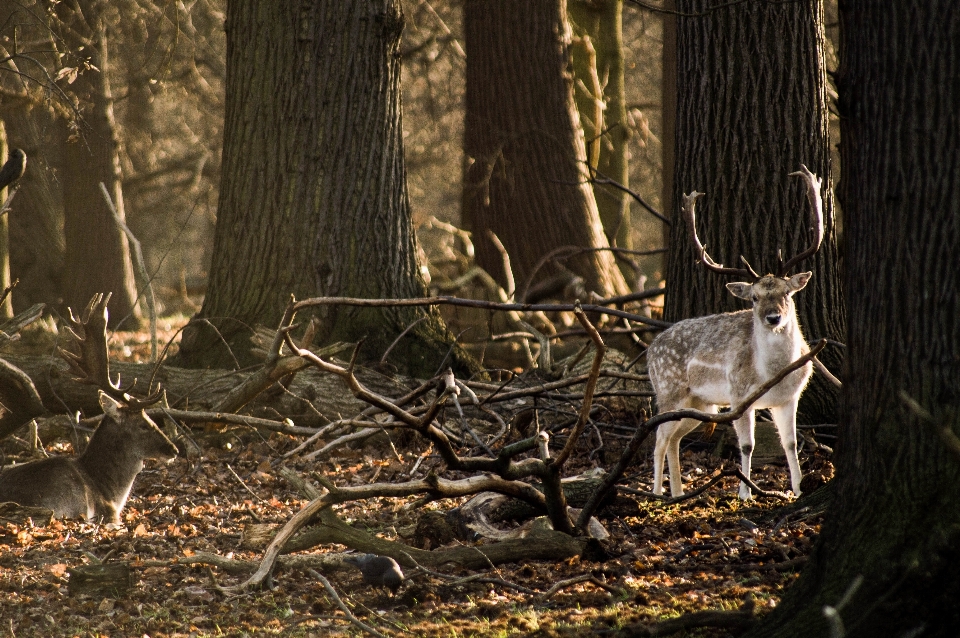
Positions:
(91, 365)
(816, 214)
(689, 206)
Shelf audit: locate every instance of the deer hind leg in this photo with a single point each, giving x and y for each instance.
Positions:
(668, 445)
(744, 427)
(785, 416)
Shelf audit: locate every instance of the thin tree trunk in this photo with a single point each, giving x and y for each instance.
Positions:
(6, 307)
(604, 114)
(896, 516)
(751, 107)
(313, 197)
(525, 178)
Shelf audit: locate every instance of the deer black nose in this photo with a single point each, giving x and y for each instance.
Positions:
(773, 319)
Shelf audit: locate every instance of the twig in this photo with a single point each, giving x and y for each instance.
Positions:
(947, 436)
(244, 485)
(141, 267)
(584, 578)
(342, 605)
(667, 500)
(588, 390)
(753, 486)
(507, 268)
(829, 375)
(386, 353)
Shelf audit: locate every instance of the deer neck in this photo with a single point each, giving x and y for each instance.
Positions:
(110, 463)
(774, 349)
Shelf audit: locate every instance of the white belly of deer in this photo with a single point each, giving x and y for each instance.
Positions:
(713, 385)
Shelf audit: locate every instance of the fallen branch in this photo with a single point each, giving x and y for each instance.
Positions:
(584, 578)
(477, 303)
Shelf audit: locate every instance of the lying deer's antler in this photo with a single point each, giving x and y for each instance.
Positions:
(816, 214)
(689, 206)
(91, 365)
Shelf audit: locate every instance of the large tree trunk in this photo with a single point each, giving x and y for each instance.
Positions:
(526, 178)
(601, 102)
(97, 257)
(896, 517)
(752, 107)
(313, 198)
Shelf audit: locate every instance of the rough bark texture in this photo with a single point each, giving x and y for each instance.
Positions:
(896, 517)
(97, 257)
(525, 178)
(751, 108)
(601, 21)
(313, 199)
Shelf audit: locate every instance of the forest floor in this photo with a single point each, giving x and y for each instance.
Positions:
(711, 552)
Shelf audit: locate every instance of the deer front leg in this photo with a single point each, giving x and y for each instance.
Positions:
(744, 427)
(668, 444)
(785, 416)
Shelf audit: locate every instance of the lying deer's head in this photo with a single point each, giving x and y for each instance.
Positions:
(772, 297)
(141, 437)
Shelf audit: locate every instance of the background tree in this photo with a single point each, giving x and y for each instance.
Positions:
(891, 536)
(313, 199)
(601, 101)
(525, 178)
(6, 307)
(97, 256)
(751, 107)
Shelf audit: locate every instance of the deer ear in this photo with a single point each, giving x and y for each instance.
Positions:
(110, 407)
(740, 289)
(798, 281)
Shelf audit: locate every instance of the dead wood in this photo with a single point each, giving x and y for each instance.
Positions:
(198, 389)
(100, 579)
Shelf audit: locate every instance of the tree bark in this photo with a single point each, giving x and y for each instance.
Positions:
(313, 198)
(896, 515)
(526, 178)
(751, 107)
(601, 21)
(97, 257)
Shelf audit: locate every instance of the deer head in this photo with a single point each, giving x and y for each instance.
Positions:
(771, 295)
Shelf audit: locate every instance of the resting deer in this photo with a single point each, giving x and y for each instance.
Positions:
(96, 483)
(719, 360)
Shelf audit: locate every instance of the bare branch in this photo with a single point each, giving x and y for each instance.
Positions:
(477, 303)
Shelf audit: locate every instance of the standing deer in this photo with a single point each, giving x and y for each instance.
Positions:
(719, 360)
(96, 483)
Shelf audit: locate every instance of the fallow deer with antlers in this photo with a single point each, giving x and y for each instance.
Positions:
(719, 360)
(96, 483)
